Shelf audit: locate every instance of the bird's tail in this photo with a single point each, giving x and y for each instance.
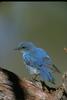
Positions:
(56, 69)
(52, 80)
(46, 75)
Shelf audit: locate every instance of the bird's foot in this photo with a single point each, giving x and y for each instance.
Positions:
(34, 78)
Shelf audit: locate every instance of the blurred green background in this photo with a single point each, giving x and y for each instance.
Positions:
(44, 23)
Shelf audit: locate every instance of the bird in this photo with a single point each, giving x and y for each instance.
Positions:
(37, 61)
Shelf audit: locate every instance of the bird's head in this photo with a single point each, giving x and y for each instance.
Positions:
(25, 46)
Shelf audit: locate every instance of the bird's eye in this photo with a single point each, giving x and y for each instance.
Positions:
(23, 47)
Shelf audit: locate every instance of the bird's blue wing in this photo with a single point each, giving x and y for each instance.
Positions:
(30, 64)
(37, 59)
(43, 56)
(30, 60)
(47, 61)
(27, 59)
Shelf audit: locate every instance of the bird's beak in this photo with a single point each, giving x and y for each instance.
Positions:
(17, 49)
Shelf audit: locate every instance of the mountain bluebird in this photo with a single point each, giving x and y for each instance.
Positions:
(38, 61)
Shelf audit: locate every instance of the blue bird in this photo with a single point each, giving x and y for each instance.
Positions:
(38, 61)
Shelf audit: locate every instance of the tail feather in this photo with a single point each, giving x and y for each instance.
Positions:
(46, 74)
(56, 69)
(52, 80)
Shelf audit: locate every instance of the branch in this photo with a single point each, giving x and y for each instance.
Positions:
(13, 88)
(65, 50)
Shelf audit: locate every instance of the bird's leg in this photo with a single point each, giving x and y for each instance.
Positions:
(36, 81)
(34, 78)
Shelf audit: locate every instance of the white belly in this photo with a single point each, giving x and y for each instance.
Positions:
(32, 70)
